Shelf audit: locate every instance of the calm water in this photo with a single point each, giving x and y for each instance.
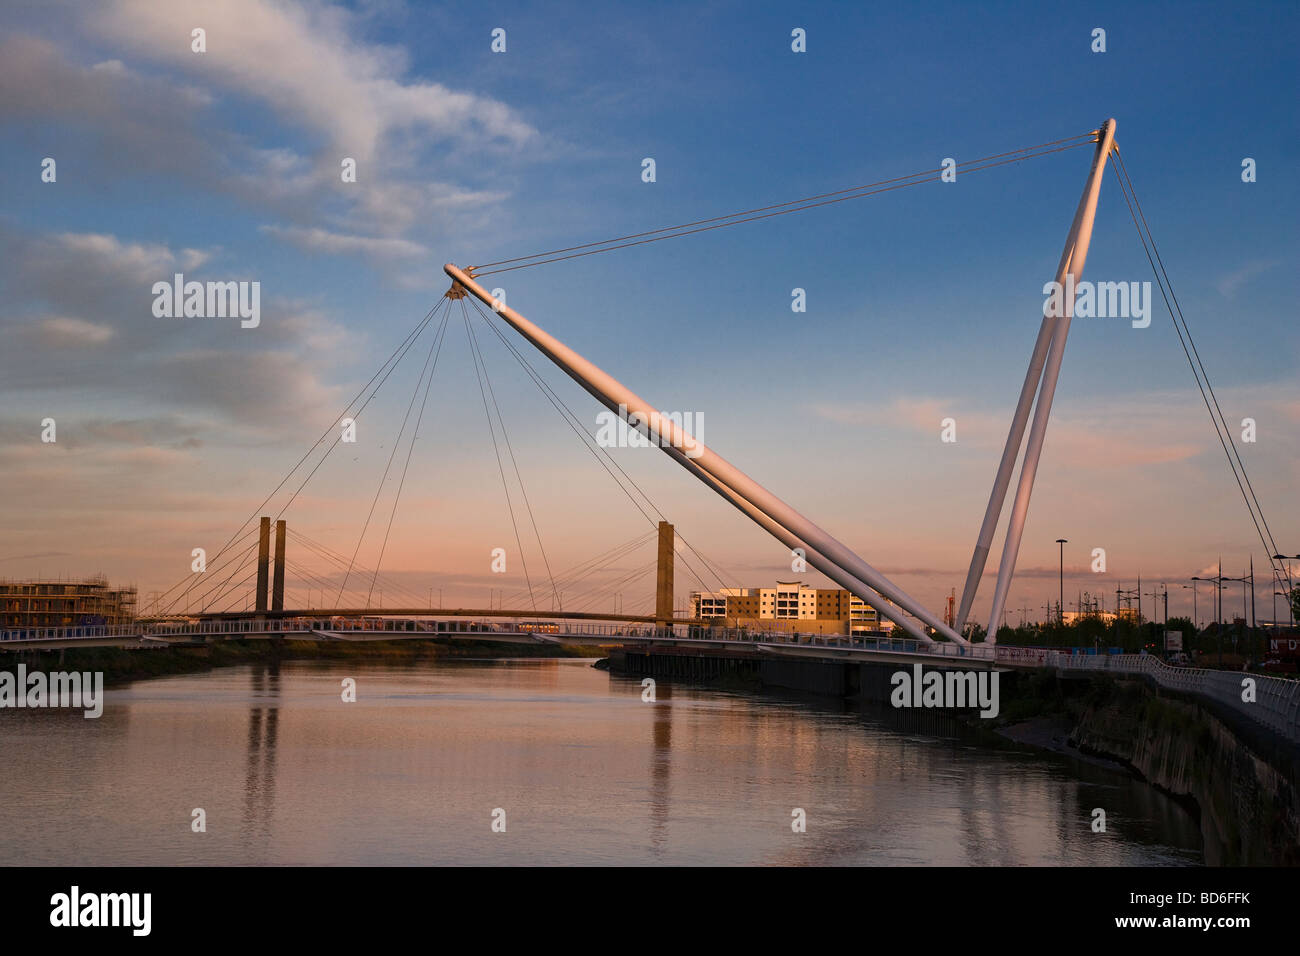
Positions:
(585, 771)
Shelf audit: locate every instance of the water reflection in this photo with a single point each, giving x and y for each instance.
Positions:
(588, 772)
(263, 734)
(661, 766)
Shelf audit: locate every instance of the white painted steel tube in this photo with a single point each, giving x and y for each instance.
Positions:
(1016, 435)
(1051, 372)
(613, 394)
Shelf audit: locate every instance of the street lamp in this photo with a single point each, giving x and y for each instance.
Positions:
(1246, 616)
(1060, 603)
(1218, 609)
(1195, 623)
(1290, 587)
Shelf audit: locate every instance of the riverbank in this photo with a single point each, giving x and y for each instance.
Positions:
(122, 665)
(1054, 734)
(1242, 787)
(1246, 787)
(1239, 782)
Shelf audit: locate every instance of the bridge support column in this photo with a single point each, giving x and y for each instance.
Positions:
(1070, 272)
(263, 562)
(664, 575)
(277, 585)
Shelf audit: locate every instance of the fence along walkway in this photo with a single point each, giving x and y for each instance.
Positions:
(1276, 704)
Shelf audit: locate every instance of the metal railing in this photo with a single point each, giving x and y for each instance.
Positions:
(540, 630)
(1276, 702)
(90, 632)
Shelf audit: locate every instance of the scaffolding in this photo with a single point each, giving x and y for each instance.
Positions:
(65, 603)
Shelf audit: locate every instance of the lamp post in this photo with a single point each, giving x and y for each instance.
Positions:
(1060, 604)
(1195, 623)
(1290, 588)
(1218, 626)
(1243, 599)
(1245, 613)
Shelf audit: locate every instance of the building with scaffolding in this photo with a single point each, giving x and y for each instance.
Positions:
(85, 602)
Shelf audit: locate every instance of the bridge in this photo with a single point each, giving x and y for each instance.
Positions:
(215, 588)
(500, 627)
(203, 606)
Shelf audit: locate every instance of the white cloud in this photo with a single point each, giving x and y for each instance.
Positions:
(1230, 283)
(64, 331)
(149, 107)
(1121, 431)
(142, 261)
(334, 243)
(305, 61)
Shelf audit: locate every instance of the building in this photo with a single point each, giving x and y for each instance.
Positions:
(790, 606)
(30, 604)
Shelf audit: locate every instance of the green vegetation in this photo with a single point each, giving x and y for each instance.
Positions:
(1037, 693)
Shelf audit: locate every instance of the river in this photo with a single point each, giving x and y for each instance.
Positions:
(569, 759)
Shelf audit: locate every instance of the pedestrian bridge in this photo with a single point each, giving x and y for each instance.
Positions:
(495, 629)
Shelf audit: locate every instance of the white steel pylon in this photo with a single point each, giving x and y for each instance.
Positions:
(824, 552)
(1045, 362)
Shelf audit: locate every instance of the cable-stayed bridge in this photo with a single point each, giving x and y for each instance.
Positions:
(207, 604)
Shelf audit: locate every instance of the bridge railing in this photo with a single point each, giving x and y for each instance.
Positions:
(487, 628)
(1276, 702)
(89, 632)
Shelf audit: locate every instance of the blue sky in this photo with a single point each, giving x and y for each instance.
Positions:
(922, 303)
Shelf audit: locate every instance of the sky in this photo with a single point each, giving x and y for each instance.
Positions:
(921, 303)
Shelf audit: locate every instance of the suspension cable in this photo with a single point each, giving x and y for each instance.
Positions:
(478, 351)
(339, 561)
(415, 434)
(588, 442)
(1189, 350)
(396, 357)
(523, 558)
(781, 209)
(396, 444)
